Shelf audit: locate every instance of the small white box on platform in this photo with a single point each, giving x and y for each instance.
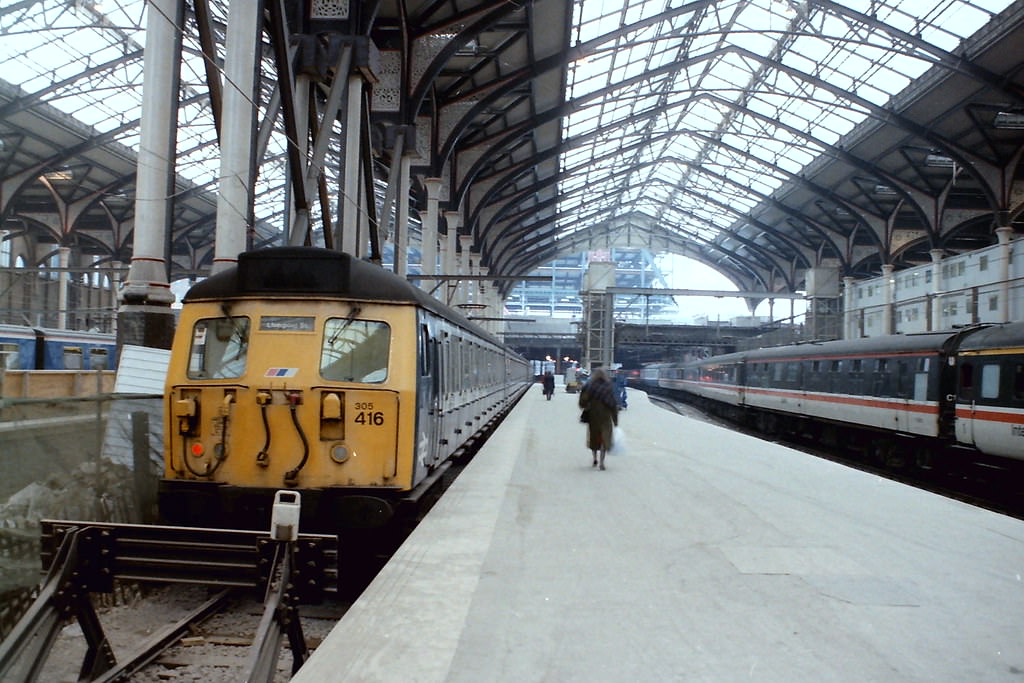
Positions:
(284, 519)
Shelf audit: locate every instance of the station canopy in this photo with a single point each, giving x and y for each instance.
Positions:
(761, 137)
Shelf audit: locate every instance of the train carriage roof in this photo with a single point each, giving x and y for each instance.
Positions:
(1010, 336)
(870, 346)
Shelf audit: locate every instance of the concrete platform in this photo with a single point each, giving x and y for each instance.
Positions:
(699, 555)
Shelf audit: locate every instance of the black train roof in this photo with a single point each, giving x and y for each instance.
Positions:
(313, 272)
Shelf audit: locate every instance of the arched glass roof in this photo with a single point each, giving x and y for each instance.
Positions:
(684, 117)
(692, 114)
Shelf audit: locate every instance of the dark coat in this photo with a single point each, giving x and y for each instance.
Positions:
(549, 384)
(598, 399)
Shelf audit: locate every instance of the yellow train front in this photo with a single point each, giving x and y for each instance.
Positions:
(306, 369)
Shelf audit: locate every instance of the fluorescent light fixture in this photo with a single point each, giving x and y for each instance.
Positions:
(1009, 120)
(938, 161)
(60, 175)
(885, 190)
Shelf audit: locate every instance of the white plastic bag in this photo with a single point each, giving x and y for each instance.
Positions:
(618, 441)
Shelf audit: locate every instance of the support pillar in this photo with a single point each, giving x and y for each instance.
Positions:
(465, 268)
(144, 316)
(890, 296)
(849, 331)
(936, 299)
(346, 235)
(238, 130)
(115, 288)
(451, 256)
(402, 218)
(63, 284)
(428, 243)
(298, 221)
(1004, 233)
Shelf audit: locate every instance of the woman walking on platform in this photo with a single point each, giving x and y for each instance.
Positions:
(597, 399)
(549, 384)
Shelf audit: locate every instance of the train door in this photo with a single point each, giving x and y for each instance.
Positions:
(428, 397)
(965, 402)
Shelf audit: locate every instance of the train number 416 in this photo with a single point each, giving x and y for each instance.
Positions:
(375, 418)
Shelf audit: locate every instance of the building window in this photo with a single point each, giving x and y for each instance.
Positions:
(983, 262)
(993, 302)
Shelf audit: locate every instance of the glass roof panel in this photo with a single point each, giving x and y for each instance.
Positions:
(741, 95)
(85, 59)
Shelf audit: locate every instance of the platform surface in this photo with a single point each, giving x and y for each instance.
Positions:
(698, 555)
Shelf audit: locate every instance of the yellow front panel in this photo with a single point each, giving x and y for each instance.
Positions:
(353, 433)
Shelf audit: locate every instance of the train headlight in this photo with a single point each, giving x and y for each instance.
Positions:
(197, 449)
(339, 453)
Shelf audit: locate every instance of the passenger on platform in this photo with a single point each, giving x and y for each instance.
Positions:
(549, 384)
(597, 399)
(620, 389)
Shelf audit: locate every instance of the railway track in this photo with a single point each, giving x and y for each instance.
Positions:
(253, 583)
(189, 633)
(974, 482)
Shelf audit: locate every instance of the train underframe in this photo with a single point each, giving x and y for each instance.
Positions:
(370, 523)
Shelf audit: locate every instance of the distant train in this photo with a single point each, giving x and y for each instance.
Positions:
(28, 348)
(900, 398)
(307, 369)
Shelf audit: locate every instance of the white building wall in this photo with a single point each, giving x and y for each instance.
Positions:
(970, 293)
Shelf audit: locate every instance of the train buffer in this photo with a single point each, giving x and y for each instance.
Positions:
(87, 557)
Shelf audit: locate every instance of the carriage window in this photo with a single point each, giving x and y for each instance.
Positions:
(990, 381)
(967, 380)
(424, 351)
(792, 372)
(1018, 381)
(355, 350)
(98, 359)
(72, 358)
(220, 347)
(9, 359)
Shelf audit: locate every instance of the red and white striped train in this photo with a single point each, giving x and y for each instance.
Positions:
(900, 398)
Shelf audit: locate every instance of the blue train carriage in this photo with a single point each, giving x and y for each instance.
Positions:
(28, 348)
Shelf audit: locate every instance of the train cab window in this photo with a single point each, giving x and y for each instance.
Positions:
(220, 347)
(355, 350)
(73, 358)
(424, 351)
(9, 357)
(98, 359)
(990, 380)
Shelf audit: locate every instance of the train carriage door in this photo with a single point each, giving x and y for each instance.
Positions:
(428, 396)
(965, 402)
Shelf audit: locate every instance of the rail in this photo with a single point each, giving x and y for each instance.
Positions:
(85, 557)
